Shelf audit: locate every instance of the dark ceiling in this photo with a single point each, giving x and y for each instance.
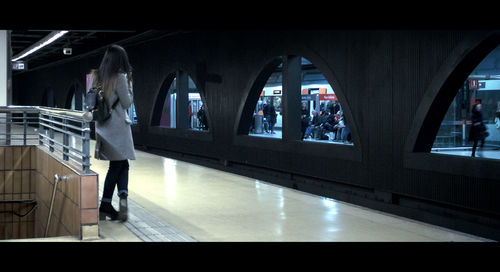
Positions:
(80, 41)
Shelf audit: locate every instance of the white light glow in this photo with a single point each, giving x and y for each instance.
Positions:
(56, 36)
(170, 177)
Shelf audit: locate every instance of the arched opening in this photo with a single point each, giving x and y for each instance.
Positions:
(48, 99)
(465, 131)
(252, 117)
(179, 104)
(443, 91)
(319, 115)
(266, 96)
(75, 98)
(196, 108)
(322, 116)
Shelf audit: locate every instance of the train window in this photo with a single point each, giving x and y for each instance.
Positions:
(267, 114)
(322, 118)
(465, 122)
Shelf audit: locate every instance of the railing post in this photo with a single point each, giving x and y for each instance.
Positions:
(40, 129)
(8, 121)
(86, 147)
(65, 140)
(24, 126)
(51, 134)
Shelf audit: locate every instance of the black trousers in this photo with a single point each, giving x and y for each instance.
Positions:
(475, 146)
(117, 176)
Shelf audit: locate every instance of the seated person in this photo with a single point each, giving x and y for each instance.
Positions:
(331, 123)
(322, 120)
(314, 124)
(346, 135)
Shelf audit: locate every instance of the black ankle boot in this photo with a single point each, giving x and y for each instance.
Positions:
(106, 209)
(123, 214)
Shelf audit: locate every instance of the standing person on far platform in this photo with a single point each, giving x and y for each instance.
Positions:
(114, 136)
(270, 115)
(478, 131)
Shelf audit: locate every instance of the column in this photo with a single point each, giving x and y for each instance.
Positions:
(5, 86)
(291, 98)
(4, 68)
(182, 100)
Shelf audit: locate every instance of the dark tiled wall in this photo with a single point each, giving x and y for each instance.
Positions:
(387, 82)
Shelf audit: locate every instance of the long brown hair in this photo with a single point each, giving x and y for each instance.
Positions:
(114, 62)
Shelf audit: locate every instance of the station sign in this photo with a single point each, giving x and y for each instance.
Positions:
(194, 96)
(19, 65)
(307, 97)
(328, 97)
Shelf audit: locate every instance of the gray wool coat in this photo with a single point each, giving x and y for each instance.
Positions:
(114, 140)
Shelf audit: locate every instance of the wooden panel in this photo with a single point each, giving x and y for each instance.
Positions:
(15, 184)
(26, 157)
(2, 184)
(67, 213)
(2, 158)
(9, 182)
(17, 157)
(8, 158)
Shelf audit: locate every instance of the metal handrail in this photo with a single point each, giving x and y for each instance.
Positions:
(67, 123)
(57, 178)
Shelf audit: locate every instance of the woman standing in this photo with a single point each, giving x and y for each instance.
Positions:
(478, 130)
(114, 136)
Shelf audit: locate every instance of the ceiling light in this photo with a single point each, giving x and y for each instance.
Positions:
(54, 35)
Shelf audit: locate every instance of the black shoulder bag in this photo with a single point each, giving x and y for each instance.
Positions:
(96, 104)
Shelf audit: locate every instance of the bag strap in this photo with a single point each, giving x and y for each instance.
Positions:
(117, 98)
(114, 104)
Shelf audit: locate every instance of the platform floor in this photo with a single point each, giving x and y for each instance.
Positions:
(171, 200)
(480, 153)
